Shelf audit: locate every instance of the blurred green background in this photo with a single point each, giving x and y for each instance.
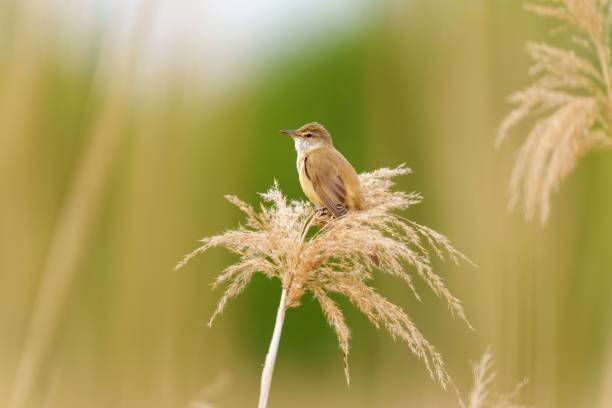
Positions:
(123, 124)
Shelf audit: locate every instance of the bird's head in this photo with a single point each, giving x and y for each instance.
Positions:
(308, 136)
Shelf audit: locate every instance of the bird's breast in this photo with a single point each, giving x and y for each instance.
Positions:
(305, 182)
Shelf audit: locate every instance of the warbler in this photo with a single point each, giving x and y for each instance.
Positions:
(326, 177)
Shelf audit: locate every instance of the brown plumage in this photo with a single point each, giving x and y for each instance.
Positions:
(327, 178)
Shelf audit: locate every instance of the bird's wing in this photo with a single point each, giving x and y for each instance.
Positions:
(322, 169)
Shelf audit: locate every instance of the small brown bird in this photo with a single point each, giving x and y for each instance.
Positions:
(326, 177)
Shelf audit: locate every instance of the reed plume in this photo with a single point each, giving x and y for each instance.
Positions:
(291, 241)
(569, 103)
(481, 395)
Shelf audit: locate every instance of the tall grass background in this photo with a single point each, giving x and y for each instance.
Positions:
(106, 179)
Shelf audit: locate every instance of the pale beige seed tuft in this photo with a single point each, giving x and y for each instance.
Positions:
(481, 395)
(569, 104)
(309, 253)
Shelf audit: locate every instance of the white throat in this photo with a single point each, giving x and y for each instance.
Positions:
(301, 146)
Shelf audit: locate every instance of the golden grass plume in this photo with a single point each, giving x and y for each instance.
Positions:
(569, 102)
(481, 395)
(291, 241)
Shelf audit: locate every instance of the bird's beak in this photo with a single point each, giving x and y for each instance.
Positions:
(290, 132)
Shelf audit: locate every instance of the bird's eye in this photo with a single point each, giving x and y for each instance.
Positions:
(308, 135)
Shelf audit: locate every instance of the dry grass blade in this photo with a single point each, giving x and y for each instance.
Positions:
(569, 102)
(74, 225)
(309, 253)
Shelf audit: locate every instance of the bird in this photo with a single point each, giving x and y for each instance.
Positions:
(326, 176)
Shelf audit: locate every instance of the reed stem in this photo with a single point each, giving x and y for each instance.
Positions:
(268, 370)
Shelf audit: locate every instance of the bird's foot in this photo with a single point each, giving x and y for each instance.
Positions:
(322, 216)
(321, 211)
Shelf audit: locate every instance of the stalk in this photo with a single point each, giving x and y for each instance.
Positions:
(268, 370)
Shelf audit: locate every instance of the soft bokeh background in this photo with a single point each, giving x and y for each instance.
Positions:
(123, 124)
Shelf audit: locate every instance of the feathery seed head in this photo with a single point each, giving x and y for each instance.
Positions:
(289, 240)
(570, 101)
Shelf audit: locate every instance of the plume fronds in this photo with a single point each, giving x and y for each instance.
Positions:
(481, 395)
(569, 103)
(309, 253)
